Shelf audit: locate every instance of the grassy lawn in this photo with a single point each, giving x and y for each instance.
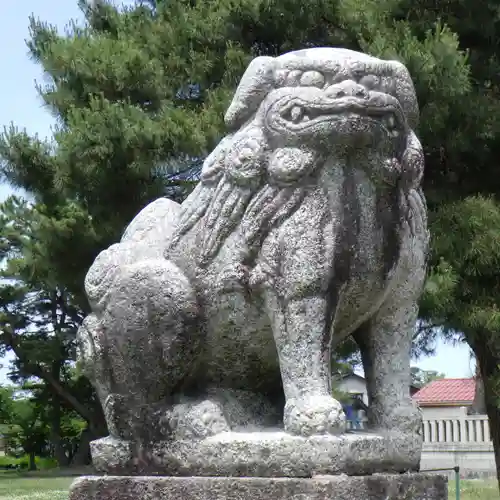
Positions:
(15, 486)
(475, 490)
(43, 485)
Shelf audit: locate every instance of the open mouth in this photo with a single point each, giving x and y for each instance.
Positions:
(300, 115)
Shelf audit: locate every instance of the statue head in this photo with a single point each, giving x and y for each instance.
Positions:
(329, 100)
(290, 116)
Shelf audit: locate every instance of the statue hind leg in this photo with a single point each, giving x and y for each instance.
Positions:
(386, 339)
(147, 327)
(143, 339)
(385, 342)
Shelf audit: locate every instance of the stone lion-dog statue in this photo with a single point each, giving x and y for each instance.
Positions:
(213, 320)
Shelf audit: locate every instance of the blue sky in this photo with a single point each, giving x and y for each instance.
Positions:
(22, 106)
(20, 103)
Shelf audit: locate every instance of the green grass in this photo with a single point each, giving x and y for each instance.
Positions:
(17, 486)
(474, 490)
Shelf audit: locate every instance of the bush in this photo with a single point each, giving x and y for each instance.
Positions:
(22, 463)
(46, 463)
(7, 462)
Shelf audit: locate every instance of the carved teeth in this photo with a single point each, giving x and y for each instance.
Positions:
(296, 113)
(389, 122)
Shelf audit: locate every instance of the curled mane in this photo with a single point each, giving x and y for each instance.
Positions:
(224, 204)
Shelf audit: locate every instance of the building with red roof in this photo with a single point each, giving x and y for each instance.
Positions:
(446, 397)
(447, 392)
(455, 430)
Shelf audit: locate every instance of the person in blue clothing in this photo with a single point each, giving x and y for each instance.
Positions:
(352, 412)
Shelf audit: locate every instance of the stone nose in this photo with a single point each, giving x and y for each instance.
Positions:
(347, 88)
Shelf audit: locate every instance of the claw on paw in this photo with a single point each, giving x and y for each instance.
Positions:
(233, 277)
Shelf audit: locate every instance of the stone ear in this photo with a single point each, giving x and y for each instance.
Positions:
(412, 162)
(405, 93)
(256, 83)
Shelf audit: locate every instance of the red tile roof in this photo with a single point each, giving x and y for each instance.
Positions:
(447, 391)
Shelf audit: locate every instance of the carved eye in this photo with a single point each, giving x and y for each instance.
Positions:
(370, 82)
(293, 78)
(296, 114)
(312, 79)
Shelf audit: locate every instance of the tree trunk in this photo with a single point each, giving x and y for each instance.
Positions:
(479, 404)
(55, 434)
(82, 455)
(489, 364)
(32, 462)
(36, 369)
(59, 450)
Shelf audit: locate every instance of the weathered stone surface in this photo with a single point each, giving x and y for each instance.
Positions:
(308, 225)
(261, 454)
(378, 487)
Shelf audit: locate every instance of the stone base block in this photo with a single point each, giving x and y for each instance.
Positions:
(376, 487)
(262, 454)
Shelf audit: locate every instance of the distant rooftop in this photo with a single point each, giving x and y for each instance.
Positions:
(447, 392)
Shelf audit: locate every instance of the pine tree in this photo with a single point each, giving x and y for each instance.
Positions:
(39, 319)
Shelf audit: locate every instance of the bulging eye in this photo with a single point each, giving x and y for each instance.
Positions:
(370, 82)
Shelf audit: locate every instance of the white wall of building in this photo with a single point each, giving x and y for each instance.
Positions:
(443, 412)
(354, 385)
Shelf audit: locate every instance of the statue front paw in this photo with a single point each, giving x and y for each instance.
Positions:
(314, 415)
(405, 417)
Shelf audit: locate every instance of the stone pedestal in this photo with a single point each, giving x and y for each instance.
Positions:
(375, 487)
(262, 454)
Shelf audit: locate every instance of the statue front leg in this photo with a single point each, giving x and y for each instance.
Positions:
(302, 337)
(300, 304)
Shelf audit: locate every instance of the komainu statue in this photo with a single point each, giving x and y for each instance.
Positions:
(213, 320)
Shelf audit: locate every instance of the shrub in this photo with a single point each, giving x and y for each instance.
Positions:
(45, 463)
(7, 462)
(42, 463)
